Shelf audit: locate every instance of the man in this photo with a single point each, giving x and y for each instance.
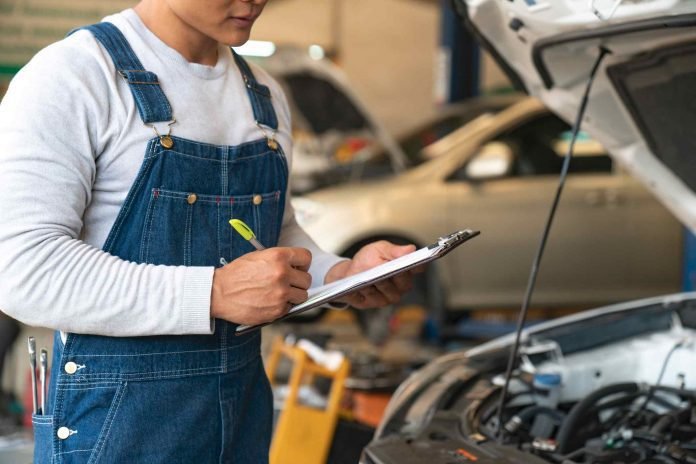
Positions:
(130, 257)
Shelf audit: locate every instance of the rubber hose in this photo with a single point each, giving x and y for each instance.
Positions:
(581, 408)
(529, 413)
(662, 424)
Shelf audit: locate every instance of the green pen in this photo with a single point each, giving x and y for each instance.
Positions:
(246, 232)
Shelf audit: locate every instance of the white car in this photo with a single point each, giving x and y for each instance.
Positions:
(333, 131)
(612, 239)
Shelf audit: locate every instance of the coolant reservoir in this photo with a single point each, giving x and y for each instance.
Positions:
(547, 389)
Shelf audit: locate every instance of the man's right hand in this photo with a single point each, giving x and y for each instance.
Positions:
(260, 286)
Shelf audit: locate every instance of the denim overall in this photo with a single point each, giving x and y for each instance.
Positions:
(173, 399)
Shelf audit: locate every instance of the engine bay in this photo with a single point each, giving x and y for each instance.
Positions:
(630, 401)
(604, 387)
(553, 413)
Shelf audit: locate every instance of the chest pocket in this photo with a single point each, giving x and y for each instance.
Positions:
(190, 229)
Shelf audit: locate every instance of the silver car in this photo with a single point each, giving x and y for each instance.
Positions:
(611, 240)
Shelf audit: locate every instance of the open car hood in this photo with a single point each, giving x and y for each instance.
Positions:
(642, 106)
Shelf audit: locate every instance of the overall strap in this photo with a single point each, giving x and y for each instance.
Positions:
(259, 95)
(152, 104)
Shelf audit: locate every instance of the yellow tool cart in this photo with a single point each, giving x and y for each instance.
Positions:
(304, 433)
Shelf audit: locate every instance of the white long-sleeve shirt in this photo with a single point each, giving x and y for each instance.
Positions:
(71, 144)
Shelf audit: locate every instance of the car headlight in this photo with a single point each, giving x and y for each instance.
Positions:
(306, 211)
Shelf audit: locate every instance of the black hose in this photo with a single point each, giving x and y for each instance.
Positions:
(663, 423)
(582, 408)
(674, 348)
(617, 403)
(529, 413)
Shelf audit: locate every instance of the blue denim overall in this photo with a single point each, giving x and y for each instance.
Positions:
(173, 399)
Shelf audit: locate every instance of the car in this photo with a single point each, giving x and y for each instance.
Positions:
(332, 129)
(612, 240)
(337, 139)
(375, 161)
(615, 384)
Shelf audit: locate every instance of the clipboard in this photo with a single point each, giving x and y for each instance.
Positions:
(325, 294)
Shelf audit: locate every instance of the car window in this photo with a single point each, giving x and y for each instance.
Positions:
(539, 145)
(377, 163)
(413, 143)
(324, 106)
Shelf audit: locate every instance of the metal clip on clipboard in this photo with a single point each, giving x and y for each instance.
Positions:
(323, 295)
(452, 240)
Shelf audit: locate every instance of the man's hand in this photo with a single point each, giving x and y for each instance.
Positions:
(260, 286)
(383, 293)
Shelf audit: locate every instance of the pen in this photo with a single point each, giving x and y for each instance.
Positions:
(32, 363)
(246, 232)
(43, 360)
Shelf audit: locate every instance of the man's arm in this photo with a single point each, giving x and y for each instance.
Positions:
(53, 122)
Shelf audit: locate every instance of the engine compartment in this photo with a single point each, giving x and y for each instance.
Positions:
(629, 401)
(612, 385)
(619, 423)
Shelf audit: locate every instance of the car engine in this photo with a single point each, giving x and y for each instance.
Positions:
(620, 423)
(575, 409)
(615, 385)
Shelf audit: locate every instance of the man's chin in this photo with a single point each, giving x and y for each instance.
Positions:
(234, 38)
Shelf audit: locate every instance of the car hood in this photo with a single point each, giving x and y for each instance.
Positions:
(641, 107)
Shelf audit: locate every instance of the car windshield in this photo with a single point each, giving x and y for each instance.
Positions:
(322, 105)
(610, 328)
(540, 144)
(419, 143)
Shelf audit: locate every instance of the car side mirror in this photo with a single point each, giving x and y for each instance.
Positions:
(493, 161)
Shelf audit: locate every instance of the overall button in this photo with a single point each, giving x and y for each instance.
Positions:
(257, 200)
(166, 142)
(63, 433)
(272, 144)
(191, 199)
(70, 368)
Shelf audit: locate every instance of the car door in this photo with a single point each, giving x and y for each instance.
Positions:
(610, 240)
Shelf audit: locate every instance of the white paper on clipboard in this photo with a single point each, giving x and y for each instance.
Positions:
(320, 296)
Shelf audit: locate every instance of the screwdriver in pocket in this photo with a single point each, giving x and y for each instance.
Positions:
(43, 360)
(32, 363)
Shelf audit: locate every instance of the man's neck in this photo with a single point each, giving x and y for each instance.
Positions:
(173, 31)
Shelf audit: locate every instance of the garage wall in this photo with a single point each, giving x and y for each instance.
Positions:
(386, 47)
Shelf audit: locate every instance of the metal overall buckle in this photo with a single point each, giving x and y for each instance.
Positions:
(165, 140)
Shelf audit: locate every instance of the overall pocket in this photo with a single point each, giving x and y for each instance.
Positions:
(186, 228)
(43, 439)
(83, 423)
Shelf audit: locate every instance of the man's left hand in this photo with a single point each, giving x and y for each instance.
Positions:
(382, 293)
